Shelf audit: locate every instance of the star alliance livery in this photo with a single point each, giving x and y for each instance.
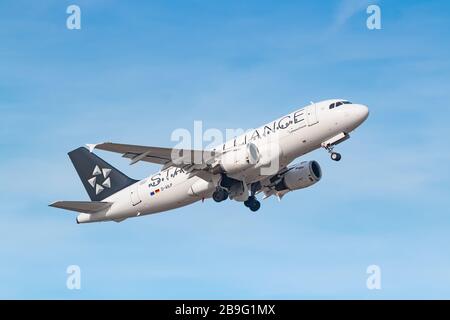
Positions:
(257, 162)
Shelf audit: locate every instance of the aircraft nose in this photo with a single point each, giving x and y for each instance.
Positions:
(361, 112)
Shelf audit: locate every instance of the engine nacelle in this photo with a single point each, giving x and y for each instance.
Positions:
(270, 158)
(300, 176)
(240, 158)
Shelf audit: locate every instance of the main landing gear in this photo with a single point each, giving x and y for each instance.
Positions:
(335, 156)
(252, 203)
(220, 194)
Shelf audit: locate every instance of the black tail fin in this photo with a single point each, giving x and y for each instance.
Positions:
(99, 178)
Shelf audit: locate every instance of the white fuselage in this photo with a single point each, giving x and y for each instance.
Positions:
(296, 134)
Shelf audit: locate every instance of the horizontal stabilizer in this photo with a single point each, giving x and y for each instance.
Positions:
(82, 206)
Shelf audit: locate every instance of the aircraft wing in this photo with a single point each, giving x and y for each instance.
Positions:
(195, 159)
(268, 185)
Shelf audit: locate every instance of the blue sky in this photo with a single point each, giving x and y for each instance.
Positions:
(138, 70)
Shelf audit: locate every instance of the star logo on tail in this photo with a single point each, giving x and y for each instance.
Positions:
(97, 175)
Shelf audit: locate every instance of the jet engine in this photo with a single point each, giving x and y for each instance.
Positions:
(240, 158)
(269, 161)
(300, 176)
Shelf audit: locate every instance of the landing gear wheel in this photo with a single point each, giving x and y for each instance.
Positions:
(335, 156)
(249, 201)
(252, 203)
(255, 206)
(220, 195)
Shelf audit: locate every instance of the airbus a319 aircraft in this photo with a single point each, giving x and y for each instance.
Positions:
(257, 162)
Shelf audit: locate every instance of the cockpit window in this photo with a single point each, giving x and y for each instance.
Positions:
(337, 104)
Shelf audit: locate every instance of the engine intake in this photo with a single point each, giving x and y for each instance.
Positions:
(300, 176)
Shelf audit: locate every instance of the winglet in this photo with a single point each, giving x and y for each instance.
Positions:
(91, 146)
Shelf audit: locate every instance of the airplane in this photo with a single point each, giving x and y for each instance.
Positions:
(256, 162)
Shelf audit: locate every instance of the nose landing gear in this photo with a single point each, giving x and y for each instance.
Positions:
(335, 156)
(330, 143)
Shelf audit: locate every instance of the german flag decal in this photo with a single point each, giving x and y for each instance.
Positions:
(152, 193)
